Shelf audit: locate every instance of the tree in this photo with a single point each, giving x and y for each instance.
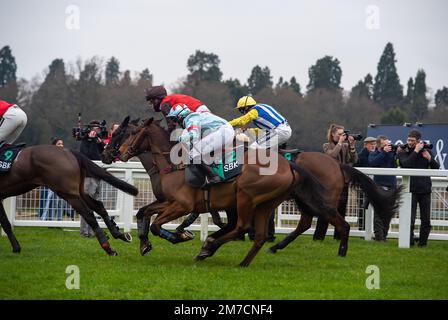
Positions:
(8, 82)
(236, 89)
(112, 73)
(203, 67)
(259, 79)
(363, 88)
(325, 74)
(52, 106)
(387, 90)
(294, 85)
(394, 116)
(145, 79)
(441, 98)
(409, 98)
(420, 102)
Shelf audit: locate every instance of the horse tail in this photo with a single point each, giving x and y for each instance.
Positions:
(96, 171)
(310, 195)
(384, 201)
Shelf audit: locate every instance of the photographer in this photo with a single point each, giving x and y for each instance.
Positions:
(340, 146)
(363, 161)
(92, 145)
(417, 154)
(383, 157)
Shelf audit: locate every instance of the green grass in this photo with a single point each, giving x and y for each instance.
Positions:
(304, 270)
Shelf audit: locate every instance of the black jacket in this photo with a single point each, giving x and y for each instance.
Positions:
(90, 148)
(410, 159)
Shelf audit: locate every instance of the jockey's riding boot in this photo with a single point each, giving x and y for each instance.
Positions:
(211, 176)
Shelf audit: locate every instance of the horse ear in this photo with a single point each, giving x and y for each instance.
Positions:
(125, 122)
(135, 121)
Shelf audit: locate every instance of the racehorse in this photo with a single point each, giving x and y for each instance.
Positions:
(63, 171)
(333, 176)
(251, 193)
(111, 153)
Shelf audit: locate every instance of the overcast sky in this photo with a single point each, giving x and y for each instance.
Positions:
(288, 36)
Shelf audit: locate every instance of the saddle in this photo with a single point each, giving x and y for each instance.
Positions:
(8, 153)
(227, 168)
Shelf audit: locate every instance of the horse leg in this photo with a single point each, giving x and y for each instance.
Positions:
(187, 222)
(205, 252)
(262, 216)
(244, 210)
(6, 225)
(172, 212)
(81, 207)
(343, 229)
(217, 219)
(98, 207)
(304, 224)
(143, 230)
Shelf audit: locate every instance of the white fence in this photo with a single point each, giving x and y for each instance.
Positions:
(35, 208)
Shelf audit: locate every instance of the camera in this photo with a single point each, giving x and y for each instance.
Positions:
(81, 132)
(427, 146)
(356, 136)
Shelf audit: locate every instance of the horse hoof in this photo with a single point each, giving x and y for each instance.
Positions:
(185, 236)
(202, 255)
(145, 250)
(272, 250)
(127, 237)
(112, 253)
(244, 264)
(16, 250)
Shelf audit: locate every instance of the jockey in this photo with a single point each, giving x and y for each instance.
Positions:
(12, 122)
(161, 102)
(272, 128)
(208, 133)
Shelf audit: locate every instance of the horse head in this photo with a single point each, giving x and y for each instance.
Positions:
(150, 136)
(111, 152)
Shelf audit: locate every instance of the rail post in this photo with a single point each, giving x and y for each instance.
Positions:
(404, 232)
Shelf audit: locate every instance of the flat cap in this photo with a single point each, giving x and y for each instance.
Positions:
(369, 139)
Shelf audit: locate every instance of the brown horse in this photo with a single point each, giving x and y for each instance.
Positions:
(63, 171)
(334, 176)
(111, 154)
(252, 193)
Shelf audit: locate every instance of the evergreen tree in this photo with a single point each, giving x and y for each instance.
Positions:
(259, 79)
(8, 82)
(203, 67)
(363, 88)
(410, 92)
(236, 89)
(441, 98)
(394, 116)
(325, 74)
(387, 90)
(294, 85)
(420, 102)
(112, 73)
(145, 78)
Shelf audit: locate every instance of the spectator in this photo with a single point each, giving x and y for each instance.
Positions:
(91, 146)
(416, 155)
(363, 161)
(383, 157)
(113, 127)
(341, 147)
(53, 207)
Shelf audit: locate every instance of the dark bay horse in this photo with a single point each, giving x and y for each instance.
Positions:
(252, 194)
(63, 171)
(333, 176)
(111, 154)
